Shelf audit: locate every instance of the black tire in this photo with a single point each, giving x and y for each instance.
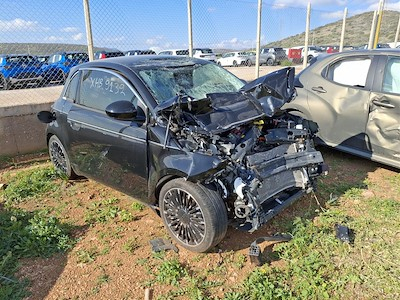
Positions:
(60, 76)
(219, 63)
(59, 158)
(310, 57)
(248, 63)
(194, 215)
(235, 64)
(270, 62)
(3, 83)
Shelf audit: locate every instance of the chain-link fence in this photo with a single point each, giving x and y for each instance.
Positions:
(40, 41)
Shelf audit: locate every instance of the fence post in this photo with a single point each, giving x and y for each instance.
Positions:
(305, 57)
(372, 32)
(397, 34)
(190, 32)
(88, 25)
(343, 30)
(257, 74)
(378, 24)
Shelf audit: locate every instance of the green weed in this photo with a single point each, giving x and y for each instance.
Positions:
(30, 184)
(170, 272)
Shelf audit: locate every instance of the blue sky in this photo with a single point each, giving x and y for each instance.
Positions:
(162, 24)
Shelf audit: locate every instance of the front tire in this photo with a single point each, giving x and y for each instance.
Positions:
(235, 64)
(3, 83)
(59, 158)
(193, 214)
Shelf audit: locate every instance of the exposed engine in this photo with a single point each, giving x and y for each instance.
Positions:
(269, 157)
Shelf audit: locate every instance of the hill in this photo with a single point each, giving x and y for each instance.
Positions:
(357, 31)
(42, 48)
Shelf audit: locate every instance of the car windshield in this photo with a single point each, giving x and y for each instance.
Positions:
(206, 51)
(54, 58)
(196, 81)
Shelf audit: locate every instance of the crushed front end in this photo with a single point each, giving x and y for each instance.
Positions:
(268, 156)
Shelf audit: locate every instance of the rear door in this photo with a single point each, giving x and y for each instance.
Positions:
(383, 127)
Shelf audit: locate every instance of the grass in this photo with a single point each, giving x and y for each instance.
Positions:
(27, 234)
(30, 184)
(313, 265)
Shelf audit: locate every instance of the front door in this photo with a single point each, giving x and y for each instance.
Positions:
(339, 101)
(103, 148)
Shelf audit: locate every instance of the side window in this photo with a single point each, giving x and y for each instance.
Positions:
(352, 72)
(71, 89)
(100, 88)
(391, 77)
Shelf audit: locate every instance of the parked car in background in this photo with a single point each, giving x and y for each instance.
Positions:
(59, 64)
(107, 54)
(273, 56)
(180, 52)
(378, 46)
(232, 59)
(204, 53)
(251, 59)
(313, 51)
(19, 70)
(42, 58)
(353, 98)
(188, 138)
(140, 52)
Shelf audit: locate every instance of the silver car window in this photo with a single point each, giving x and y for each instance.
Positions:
(352, 72)
(391, 77)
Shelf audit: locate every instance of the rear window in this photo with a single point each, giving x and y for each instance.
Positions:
(206, 51)
(54, 58)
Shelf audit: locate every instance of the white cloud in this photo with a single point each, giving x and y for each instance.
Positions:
(21, 25)
(333, 15)
(235, 43)
(211, 9)
(155, 41)
(77, 37)
(70, 29)
(54, 38)
(296, 3)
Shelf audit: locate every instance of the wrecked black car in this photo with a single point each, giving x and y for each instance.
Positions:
(187, 138)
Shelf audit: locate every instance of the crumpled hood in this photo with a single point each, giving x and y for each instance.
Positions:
(219, 112)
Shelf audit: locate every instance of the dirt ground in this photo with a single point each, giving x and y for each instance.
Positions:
(113, 259)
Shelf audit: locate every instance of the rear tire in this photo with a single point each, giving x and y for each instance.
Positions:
(194, 215)
(248, 63)
(59, 158)
(270, 62)
(3, 83)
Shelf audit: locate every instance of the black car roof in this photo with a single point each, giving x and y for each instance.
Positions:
(143, 61)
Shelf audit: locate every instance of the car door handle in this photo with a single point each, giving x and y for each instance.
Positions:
(74, 125)
(318, 89)
(382, 104)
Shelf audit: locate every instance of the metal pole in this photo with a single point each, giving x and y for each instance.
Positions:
(343, 30)
(88, 29)
(190, 32)
(397, 34)
(372, 33)
(258, 46)
(306, 35)
(378, 25)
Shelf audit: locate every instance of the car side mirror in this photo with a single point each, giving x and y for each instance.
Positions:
(121, 110)
(46, 117)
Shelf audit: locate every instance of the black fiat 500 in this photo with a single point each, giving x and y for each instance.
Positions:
(188, 138)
